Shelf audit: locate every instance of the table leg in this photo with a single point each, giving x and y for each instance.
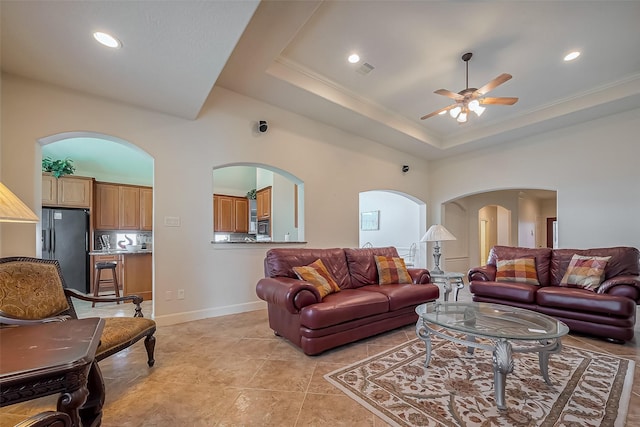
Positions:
(543, 360)
(91, 411)
(70, 401)
(502, 365)
(458, 285)
(423, 334)
(447, 289)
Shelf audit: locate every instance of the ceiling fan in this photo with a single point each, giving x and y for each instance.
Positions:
(472, 99)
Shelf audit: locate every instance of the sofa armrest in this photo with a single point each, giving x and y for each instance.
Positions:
(609, 286)
(486, 273)
(420, 276)
(291, 294)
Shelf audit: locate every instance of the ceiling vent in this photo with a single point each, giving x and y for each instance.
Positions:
(365, 69)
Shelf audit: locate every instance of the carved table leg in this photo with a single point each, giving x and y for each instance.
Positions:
(423, 334)
(91, 411)
(502, 365)
(70, 401)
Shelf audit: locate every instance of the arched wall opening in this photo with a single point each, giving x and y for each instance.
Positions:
(106, 159)
(511, 217)
(393, 218)
(285, 219)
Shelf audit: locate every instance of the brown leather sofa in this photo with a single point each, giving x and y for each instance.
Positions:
(609, 312)
(361, 309)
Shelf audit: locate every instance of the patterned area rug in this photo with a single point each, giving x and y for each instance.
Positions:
(589, 388)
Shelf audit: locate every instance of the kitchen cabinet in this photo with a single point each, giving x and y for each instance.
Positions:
(123, 207)
(230, 214)
(146, 208)
(263, 203)
(66, 191)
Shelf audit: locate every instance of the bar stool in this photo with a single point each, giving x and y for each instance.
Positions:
(98, 280)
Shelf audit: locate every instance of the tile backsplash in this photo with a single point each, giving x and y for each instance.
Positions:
(119, 238)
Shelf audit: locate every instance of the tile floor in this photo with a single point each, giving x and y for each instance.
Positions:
(232, 371)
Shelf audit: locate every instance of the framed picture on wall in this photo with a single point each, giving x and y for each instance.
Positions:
(369, 220)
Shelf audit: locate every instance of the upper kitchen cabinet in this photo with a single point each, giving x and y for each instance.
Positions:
(230, 214)
(66, 191)
(263, 202)
(122, 207)
(146, 208)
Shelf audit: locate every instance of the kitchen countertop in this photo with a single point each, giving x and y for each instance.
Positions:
(121, 252)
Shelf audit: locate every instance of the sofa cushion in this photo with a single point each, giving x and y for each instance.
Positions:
(391, 270)
(316, 274)
(623, 262)
(347, 305)
(585, 272)
(405, 295)
(519, 270)
(280, 263)
(575, 299)
(511, 291)
(541, 255)
(362, 266)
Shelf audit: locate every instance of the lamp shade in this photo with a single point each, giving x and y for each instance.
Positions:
(12, 209)
(437, 233)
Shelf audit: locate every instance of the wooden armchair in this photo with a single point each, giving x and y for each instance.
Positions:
(32, 290)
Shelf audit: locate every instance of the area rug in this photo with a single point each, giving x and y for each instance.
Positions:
(589, 388)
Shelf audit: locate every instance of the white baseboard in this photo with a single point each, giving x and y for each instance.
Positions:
(188, 316)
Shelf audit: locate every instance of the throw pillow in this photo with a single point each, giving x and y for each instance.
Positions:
(392, 270)
(585, 272)
(519, 270)
(317, 274)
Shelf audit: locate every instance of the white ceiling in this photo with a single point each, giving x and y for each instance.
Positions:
(292, 54)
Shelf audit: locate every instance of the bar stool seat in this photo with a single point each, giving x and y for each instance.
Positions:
(100, 266)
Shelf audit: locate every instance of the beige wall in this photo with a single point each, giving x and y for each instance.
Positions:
(335, 167)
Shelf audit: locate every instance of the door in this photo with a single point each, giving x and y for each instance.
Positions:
(68, 242)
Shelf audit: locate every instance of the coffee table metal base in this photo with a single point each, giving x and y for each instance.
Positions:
(502, 350)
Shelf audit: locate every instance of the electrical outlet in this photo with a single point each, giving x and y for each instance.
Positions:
(180, 293)
(168, 296)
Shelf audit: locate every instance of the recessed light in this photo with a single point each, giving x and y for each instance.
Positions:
(354, 58)
(107, 39)
(572, 55)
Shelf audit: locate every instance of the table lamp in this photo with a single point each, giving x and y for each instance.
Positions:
(12, 209)
(437, 233)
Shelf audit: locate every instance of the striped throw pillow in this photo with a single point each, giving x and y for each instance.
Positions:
(585, 272)
(392, 270)
(519, 270)
(317, 274)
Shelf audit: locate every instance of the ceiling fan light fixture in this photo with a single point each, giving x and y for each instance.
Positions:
(455, 111)
(474, 104)
(462, 118)
(479, 110)
(442, 113)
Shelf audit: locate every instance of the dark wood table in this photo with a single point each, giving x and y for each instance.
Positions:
(50, 358)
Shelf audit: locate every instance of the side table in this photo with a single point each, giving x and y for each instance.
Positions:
(51, 358)
(450, 282)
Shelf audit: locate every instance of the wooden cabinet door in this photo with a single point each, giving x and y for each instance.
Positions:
(263, 203)
(137, 275)
(74, 192)
(241, 217)
(107, 206)
(146, 208)
(224, 213)
(129, 215)
(49, 190)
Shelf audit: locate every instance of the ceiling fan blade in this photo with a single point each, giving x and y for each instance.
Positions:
(493, 84)
(435, 113)
(449, 94)
(499, 101)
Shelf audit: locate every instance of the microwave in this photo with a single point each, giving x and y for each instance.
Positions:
(264, 227)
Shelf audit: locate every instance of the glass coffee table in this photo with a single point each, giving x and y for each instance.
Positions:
(505, 329)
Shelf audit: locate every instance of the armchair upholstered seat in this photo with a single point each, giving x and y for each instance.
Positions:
(32, 291)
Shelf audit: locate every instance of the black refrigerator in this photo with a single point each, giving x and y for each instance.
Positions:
(65, 237)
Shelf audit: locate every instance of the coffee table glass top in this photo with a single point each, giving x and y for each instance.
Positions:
(492, 320)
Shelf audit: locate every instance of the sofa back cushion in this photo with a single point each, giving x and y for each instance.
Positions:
(623, 261)
(280, 263)
(542, 258)
(362, 264)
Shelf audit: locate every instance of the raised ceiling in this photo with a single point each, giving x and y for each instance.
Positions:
(292, 54)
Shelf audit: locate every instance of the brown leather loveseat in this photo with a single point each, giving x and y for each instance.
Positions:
(360, 309)
(606, 310)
